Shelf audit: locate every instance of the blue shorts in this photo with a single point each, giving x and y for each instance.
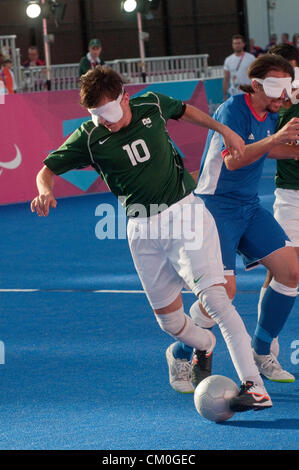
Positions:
(249, 230)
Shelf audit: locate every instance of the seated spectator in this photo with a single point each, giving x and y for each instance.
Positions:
(255, 50)
(33, 58)
(92, 58)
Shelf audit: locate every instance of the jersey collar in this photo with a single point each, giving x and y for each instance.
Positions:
(249, 104)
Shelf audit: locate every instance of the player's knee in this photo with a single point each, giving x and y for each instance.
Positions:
(296, 273)
(230, 290)
(293, 276)
(199, 317)
(172, 323)
(214, 300)
(217, 304)
(230, 286)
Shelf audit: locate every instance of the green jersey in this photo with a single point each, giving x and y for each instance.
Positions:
(85, 64)
(287, 174)
(138, 163)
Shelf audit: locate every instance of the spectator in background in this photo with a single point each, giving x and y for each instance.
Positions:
(296, 40)
(92, 58)
(236, 67)
(255, 50)
(285, 38)
(1, 58)
(8, 76)
(33, 58)
(273, 42)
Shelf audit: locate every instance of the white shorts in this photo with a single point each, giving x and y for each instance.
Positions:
(176, 248)
(286, 212)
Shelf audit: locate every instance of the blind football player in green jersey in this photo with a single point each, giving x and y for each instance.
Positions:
(127, 143)
(286, 204)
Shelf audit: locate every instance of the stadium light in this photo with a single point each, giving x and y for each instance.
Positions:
(33, 9)
(143, 6)
(140, 7)
(128, 6)
(46, 9)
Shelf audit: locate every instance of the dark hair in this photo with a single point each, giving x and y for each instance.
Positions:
(287, 51)
(265, 64)
(238, 36)
(99, 82)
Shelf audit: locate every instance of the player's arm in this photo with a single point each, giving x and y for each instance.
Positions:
(273, 144)
(72, 154)
(233, 142)
(45, 199)
(285, 152)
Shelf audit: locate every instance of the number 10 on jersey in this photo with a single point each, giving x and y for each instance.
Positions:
(138, 151)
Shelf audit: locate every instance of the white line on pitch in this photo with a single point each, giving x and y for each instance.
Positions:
(19, 290)
(101, 291)
(104, 291)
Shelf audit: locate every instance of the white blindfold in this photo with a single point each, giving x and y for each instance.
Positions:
(274, 87)
(110, 112)
(295, 86)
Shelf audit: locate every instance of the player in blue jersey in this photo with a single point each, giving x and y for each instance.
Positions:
(229, 188)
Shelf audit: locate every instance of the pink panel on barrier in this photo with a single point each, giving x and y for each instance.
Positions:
(32, 126)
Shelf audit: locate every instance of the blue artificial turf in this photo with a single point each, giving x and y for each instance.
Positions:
(86, 370)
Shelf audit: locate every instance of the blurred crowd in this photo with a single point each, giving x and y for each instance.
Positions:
(235, 65)
(285, 39)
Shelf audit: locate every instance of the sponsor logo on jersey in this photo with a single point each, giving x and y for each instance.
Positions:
(251, 137)
(101, 142)
(13, 164)
(147, 122)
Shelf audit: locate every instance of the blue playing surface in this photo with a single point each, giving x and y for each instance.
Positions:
(86, 369)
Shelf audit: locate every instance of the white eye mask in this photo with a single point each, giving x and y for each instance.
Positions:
(295, 85)
(273, 87)
(110, 112)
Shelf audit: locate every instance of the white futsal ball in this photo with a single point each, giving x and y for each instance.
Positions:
(212, 395)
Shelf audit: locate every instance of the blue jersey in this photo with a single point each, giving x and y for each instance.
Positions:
(242, 184)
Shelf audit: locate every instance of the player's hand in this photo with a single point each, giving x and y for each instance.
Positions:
(42, 203)
(234, 143)
(288, 133)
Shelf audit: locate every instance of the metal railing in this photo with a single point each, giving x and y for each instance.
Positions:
(157, 69)
(63, 77)
(66, 76)
(162, 68)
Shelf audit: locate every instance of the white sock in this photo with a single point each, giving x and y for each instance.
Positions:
(217, 304)
(200, 319)
(182, 328)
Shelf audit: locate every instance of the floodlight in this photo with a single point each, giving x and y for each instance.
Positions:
(129, 5)
(33, 9)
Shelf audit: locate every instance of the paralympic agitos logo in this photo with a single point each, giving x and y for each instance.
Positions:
(12, 164)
